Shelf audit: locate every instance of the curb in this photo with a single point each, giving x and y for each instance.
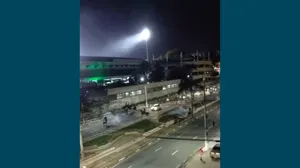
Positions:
(183, 165)
(98, 157)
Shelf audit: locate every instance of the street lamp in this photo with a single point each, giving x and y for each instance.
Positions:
(145, 36)
(205, 118)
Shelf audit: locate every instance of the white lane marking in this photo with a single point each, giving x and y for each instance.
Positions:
(178, 166)
(130, 166)
(121, 159)
(157, 149)
(210, 127)
(137, 150)
(179, 135)
(149, 143)
(174, 152)
(195, 137)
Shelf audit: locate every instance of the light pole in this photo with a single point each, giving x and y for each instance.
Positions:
(81, 146)
(145, 34)
(205, 117)
(147, 54)
(146, 96)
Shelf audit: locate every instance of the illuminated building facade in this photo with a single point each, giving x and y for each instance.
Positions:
(96, 69)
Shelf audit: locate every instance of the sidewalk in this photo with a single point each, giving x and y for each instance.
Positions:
(206, 162)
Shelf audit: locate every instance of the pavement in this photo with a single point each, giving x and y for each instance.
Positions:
(206, 162)
(172, 150)
(97, 127)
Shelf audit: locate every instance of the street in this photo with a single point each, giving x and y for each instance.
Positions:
(171, 153)
(96, 127)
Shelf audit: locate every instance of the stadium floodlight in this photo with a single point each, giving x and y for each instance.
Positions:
(145, 34)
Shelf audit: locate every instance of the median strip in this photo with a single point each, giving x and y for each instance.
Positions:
(129, 150)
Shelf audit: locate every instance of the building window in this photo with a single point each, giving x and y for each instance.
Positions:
(132, 93)
(139, 92)
(119, 96)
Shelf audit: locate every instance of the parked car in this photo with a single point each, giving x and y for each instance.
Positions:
(155, 107)
(215, 152)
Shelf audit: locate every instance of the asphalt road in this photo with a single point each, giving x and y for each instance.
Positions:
(97, 126)
(170, 153)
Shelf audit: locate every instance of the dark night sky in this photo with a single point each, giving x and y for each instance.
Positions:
(186, 25)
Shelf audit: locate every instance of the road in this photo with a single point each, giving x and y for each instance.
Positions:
(96, 127)
(170, 153)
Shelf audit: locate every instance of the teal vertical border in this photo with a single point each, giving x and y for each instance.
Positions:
(260, 83)
(39, 86)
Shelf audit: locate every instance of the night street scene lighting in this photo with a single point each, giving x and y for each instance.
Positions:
(149, 94)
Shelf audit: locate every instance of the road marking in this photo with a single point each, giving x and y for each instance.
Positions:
(130, 166)
(210, 127)
(195, 137)
(179, 136)
(178, 166)
(149, 143)
(158, 149)
(121, 159)
(137, 150)
(174, 152)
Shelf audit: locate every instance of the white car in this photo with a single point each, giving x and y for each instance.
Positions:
(155, 107)
(215, 152)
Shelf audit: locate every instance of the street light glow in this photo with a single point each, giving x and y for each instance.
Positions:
(145, 35)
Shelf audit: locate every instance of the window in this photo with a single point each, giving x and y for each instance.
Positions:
(132, 93)
(139, 92)
(119, 96)
(126, 94)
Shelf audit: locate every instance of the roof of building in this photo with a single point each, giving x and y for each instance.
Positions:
(104, 58)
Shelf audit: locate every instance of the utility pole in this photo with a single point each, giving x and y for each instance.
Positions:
(146, 96)
(192, 102)
(205, 117)
(147, 56)
(81, 146)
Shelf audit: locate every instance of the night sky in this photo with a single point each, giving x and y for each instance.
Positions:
(185, 25)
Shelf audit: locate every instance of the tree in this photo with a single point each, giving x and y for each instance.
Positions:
(142, 71)
(189, 85)
(180, 72)
(158, 73)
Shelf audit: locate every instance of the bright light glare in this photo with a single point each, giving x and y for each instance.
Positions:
(145, 34)
(142, 79)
